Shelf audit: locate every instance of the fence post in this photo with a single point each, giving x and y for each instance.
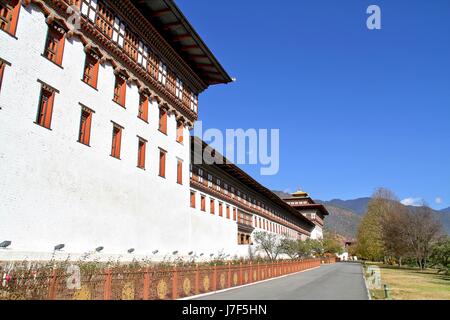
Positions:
(174, 284)
(229, 274)
(146, 293)
(52, 286)
(240, 274)
(107, 285)
(258, 273)
(250, 280)
(214, 286)
(197, 280)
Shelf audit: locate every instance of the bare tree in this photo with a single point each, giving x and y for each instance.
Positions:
(422, 230)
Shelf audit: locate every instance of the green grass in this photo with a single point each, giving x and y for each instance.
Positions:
(413, 284)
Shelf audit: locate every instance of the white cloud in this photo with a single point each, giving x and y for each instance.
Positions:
(415, 202)
(438, 200)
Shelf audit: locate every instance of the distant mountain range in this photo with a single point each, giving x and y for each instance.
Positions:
(346, 215)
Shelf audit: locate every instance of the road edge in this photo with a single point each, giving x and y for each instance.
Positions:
(243, 286)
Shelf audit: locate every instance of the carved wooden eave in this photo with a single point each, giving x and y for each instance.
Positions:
(56, 10)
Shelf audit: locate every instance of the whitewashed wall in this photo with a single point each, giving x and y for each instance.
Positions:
(55, 190)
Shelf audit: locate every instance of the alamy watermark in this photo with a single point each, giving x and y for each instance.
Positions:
(239, 146)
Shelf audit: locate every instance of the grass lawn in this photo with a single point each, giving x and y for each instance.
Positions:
(413, 284)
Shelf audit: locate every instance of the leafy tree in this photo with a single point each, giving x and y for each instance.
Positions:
(269, 243)
(440, 255)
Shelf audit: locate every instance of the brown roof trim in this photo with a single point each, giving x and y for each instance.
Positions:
(246, 179)
(312, 206)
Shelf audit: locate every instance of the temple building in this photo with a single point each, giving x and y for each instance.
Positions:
(97, 100)
(315, 212)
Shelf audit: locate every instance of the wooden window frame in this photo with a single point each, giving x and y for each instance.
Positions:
(116, 144)
(143, 107)
(45, 111)
(203, 203)
(227, 209)
(9, 24)
(84, 134)
(120, 90)
(212, 206)
(180, 171)
(180, 132)
(162, 127)
(91, 68)
(54, 44)
(2, 71)
(162, 163)
(193, 199)
(220, 209)
(162, 73)
(89, 9)
(179, 89)
(142, 148)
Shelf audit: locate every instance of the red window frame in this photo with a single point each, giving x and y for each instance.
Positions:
(45, 109)
(91, 67)
(228, 212)
(180, 132)
(212, 206)
(203, 203)
(54, 44)
(116, 141)
(163, 120)
(193, 199)
(9, 16)
(142, 146)
(234, 214)
(220, 209)
(120, 90)
(162, 163)
(2, 70)
(143, 108)
(180, 171)
(84, 135)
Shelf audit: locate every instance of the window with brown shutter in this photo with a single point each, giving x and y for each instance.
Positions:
(180, 132)
(163, 120)
(45, 109)
(220, 209)
(84, 136)
(162, 163)
(234, 214)
(2, 70)
(212, 207)
(116, 141)
(203, 203)
(143, 108)
(91, 66)
(9, 15)
(142, 145)
(54, 47)
(180, 171)
(120, 88)
(228, 212)
(192, 199)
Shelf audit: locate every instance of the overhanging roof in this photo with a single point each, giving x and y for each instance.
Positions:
(247, 180)
(312, 206)
(171, 23)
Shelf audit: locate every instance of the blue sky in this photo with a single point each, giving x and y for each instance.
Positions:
(356, 109)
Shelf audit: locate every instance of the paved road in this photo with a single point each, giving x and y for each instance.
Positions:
(341, 281)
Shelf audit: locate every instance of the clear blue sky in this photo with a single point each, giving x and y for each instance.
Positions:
(356, 109)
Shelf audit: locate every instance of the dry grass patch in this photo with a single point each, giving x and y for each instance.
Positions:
(413, 284)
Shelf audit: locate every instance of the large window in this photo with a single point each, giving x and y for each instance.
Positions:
(162, 73)
(118, 34)
(143, 108)
(45, 109)
(180, 171)
(163, 120)
(142, 55)
(54, 47)
(91, 65)
(162, 163)
(180, 132)
(120, 89)
(142, 144)
(194, 102)
(84, 136)
(2, 70)
(9, 15)
(116, 141)
(179, 89)
(89, 9)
